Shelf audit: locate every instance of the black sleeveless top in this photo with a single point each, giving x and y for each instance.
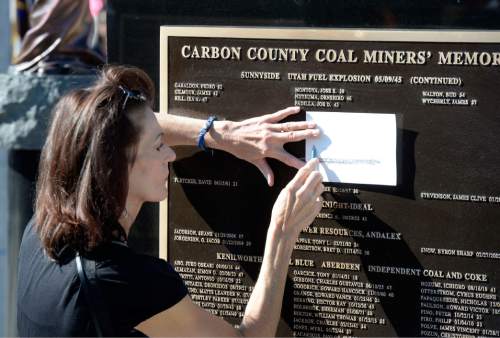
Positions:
(51, 302)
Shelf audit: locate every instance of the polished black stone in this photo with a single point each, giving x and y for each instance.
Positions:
(134, 26)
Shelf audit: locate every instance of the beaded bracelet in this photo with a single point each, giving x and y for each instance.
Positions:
(203, 131)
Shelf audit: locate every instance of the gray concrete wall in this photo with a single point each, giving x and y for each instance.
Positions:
(5, 43)
(5, 46)
(3, 242)
(26, 102)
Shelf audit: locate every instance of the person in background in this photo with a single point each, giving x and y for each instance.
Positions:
(106, 154)
(59, 37)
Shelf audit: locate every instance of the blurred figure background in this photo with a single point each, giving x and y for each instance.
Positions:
(60, 36)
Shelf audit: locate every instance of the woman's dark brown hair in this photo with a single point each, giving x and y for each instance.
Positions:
(83, 175)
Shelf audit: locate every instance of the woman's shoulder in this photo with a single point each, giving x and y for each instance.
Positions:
(137, 286)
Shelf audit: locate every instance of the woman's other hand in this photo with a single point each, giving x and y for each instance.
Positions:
(299, 202)
(257, 138)
(297, 205)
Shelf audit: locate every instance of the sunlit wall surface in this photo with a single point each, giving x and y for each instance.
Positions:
(5, 46)
(3, 241)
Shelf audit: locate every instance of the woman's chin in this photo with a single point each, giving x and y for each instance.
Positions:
(157, 195)
(161, 196)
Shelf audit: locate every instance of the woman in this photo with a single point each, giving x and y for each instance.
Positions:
(106, 153)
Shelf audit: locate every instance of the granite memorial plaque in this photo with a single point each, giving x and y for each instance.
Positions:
(420, 258)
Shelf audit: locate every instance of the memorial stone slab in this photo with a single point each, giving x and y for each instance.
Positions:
(417, 259)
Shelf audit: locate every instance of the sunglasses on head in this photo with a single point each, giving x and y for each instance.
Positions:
(132, 94)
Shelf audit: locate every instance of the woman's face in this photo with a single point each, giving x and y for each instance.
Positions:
(149, 173)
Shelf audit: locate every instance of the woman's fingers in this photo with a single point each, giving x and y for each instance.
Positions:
(291, 126)
(309, 192)
(265, 169)
(287, 158)
(316, 209)
(320, 188)
(300, 201)
(280, 114)
(297, 135)
(301, 175)
(305, 210)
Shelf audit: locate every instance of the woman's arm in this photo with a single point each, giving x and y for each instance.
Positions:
(295, 209)
(251, 140)
(296, 206)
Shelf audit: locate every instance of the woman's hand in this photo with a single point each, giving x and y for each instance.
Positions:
(299, 202)
(257, 138)
(252, 140)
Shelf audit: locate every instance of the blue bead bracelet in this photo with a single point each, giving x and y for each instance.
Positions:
(203, 131)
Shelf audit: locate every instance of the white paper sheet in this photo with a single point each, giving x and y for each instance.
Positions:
(355, 147)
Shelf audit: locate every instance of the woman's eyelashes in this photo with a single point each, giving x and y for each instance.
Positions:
(159, 147)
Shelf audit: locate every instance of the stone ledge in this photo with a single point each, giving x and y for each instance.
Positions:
(26, 102)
